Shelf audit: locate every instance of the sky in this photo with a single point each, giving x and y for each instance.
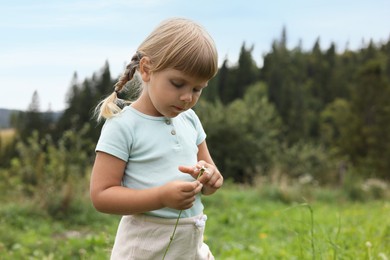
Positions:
(44, 42)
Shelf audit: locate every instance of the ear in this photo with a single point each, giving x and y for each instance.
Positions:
(144, 69)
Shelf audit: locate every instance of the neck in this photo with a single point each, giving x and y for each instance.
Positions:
(144, 105)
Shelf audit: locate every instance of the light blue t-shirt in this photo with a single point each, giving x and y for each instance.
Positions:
(153, 148)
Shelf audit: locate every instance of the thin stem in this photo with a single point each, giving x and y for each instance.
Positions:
(201, 171)
(173, 234)
(312, 230)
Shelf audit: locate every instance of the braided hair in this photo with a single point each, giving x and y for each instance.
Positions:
(112, 104)
(128, 74)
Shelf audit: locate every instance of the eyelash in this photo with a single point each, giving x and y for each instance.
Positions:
(177, 85)
(181, 85)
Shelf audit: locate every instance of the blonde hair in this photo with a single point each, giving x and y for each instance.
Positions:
(176, 43)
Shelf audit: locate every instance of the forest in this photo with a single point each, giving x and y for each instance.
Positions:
(302, 120)
(316, 113)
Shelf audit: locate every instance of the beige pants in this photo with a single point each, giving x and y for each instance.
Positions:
(145, 237)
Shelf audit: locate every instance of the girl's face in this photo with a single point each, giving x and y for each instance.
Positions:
(170, 92)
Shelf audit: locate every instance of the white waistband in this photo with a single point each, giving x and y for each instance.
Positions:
(198, 220)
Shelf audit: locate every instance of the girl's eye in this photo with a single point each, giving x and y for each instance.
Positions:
(197, 90)
(177, 84)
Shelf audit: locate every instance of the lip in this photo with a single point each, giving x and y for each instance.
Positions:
(178, 108)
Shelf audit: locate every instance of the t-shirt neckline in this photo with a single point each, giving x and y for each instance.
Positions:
(149, 117)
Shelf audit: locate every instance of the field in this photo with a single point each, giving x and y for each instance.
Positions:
(243, 223)
(6, 136)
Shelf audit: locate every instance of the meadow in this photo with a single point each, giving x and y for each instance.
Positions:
(6, 138)
(244, 222)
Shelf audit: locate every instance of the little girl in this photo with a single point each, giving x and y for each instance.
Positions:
(150, 153)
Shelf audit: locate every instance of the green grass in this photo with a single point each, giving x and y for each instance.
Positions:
(26, 233)
(243, 223)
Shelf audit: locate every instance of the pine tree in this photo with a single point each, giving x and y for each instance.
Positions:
(370, 103)
(32, 119)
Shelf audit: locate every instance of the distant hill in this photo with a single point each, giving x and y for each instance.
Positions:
(5, 115)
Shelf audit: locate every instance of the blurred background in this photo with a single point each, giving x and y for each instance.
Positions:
(300, 103)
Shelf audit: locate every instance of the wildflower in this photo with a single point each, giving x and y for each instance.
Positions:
(369, 245)
(382, 256)
(263, 235)
(305, 179)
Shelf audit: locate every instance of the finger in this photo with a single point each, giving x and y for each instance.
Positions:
(202, 163)
(199, 188)
(218, 183)
(209, 173)
(187, 169)
(187, 206)
(188, 202)
(205, 178)
(215, 180)
(190, 186)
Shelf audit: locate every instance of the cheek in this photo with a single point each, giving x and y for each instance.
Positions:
(196, 96)
(163, 94)
(194, 100)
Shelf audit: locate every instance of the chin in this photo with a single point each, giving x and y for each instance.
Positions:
(173, 113)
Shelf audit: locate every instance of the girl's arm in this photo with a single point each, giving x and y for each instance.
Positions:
(212, 179)
(109, 196)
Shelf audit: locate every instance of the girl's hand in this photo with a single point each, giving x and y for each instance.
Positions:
(211, 178)
(179, 195)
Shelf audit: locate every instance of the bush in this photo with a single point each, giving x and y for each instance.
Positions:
(242, 136)
(309, 161)
(49, 173)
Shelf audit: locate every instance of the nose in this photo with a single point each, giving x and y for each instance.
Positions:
(187, 96)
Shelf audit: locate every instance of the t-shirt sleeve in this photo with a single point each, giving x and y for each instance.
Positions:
(198, 126)
(115, 139)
